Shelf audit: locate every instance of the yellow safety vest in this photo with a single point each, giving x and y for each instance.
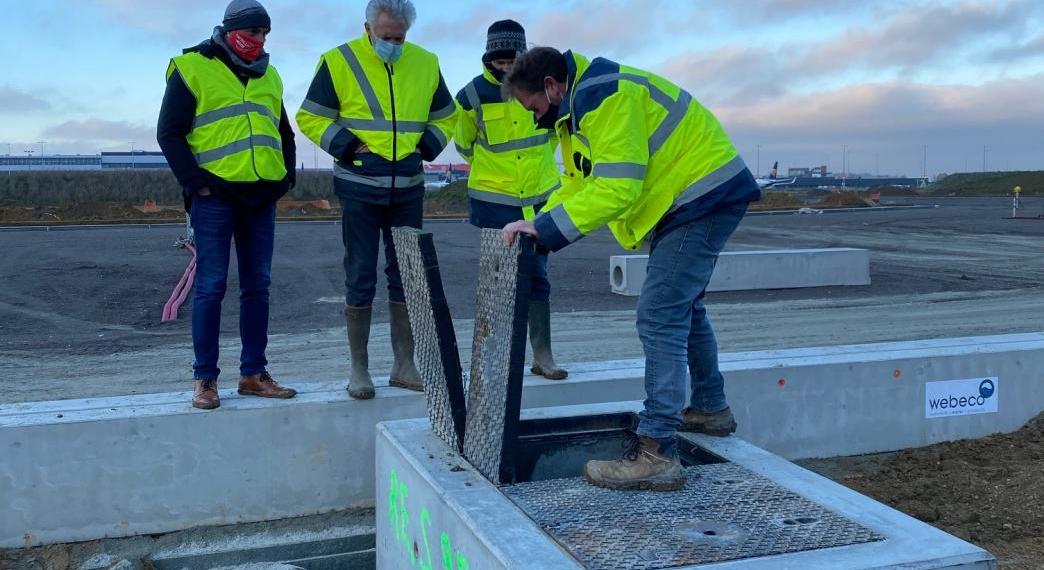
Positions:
(235, 134)
(387, 107)
(512, 161)
(635, 147)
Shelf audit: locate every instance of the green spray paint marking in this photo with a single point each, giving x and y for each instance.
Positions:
(399, 518)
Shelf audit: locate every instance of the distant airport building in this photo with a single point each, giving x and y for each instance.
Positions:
(104, 161)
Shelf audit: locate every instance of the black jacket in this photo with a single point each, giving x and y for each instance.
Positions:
(175, 123)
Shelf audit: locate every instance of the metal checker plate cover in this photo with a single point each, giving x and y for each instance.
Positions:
(724, 512)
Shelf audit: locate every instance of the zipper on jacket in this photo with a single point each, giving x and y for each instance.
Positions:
(250, 128)
(395, 126)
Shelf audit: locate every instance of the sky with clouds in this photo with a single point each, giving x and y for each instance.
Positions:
(797, 79)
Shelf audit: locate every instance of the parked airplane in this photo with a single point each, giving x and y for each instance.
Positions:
(772, 181)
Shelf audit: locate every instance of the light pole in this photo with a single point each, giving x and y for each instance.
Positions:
(29, 155)
(42, 153)
(132, 154)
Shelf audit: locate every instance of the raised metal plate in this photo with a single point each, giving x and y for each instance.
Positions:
(435, 342)
(724, 512)
(498, 355)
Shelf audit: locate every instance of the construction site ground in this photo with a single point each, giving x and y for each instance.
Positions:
(80, 312)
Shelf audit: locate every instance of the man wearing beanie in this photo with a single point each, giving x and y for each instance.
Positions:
(226, 136)
(513, 170)
(379, 106)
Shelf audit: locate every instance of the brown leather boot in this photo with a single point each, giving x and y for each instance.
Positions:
(718, 424)
(205, 396)
(645, 466)
(265, 386)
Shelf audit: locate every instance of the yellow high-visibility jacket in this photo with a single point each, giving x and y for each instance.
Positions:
(401, 112)
(235, 134)
(512, 161)
(636, 147)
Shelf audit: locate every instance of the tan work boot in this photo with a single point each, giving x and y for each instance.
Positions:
(263, 385)
(205, 395)
(718, 424)
(403, 373)
(643, 467)
(357, 319)
(540, 340)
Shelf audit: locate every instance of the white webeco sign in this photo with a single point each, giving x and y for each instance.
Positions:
(960, 397)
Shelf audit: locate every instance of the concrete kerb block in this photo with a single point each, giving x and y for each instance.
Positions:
(627, 274)
(872, 396)
(753, 270)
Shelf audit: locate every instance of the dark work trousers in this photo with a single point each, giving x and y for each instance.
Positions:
(363, 225)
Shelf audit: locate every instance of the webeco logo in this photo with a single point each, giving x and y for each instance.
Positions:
(960, 397)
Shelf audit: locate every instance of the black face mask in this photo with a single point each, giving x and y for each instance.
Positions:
(548, 119)
(496, 73)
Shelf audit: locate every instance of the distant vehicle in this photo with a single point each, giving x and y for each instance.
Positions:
(772, 181)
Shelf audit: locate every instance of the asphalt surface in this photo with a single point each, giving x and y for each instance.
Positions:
(80, 308)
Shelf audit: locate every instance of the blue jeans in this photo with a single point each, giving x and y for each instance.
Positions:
(672, 322)
(216, 224)
(363, 225)
(488, 215)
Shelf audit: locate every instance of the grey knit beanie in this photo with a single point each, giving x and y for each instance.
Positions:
(243, 14)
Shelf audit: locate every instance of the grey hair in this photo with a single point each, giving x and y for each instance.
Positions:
(401, 10)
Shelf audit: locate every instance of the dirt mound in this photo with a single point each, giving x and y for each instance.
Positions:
(989, 491)
(843, 199)
(777, 200)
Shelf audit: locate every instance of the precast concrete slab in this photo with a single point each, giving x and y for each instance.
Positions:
(742, 508)
(759, 269)
(76, 470)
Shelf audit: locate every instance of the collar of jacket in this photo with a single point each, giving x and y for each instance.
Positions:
(489, 76)
(576, 65)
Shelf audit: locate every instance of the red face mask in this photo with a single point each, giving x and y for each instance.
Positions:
(245, 46)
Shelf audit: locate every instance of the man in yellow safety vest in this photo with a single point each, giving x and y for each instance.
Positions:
(379, 106)
(226, 136)
(513, 170)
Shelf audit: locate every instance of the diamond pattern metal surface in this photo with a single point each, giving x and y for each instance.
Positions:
(494, 389)
(724, 512)
(435, 342)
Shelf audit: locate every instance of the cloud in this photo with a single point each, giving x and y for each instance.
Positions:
(584, 25)
(172, 19)
(1032, 48)
(98, 130)
(923, 38)
(916, 36)
(17, 101)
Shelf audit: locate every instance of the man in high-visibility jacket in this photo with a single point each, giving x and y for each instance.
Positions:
(379, 106)
(513, 170)
(226, 136)
(647, 159)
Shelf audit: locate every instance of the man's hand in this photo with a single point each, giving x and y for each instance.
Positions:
(362, 148)
(204, 191)
(512, 230)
